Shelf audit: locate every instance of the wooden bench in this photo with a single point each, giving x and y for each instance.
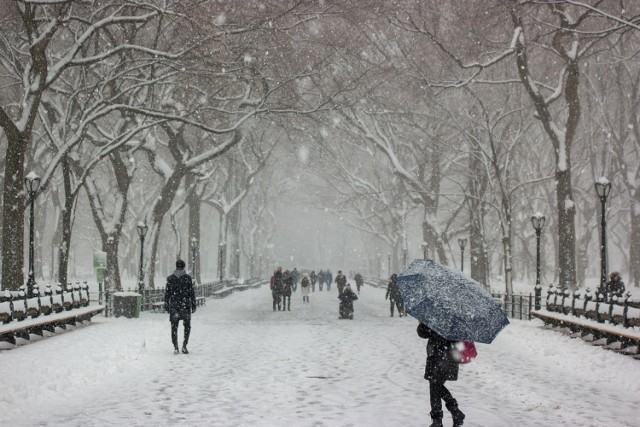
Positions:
(23, 316)
(613, 324)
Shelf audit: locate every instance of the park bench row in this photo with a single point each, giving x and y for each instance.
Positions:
(612, 323)
(55, 307)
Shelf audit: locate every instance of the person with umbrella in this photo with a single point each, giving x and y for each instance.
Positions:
(451, 307)
(441, 367)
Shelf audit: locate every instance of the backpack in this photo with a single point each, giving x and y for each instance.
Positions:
(464, 352)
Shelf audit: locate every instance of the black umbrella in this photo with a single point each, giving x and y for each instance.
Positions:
(455, 306)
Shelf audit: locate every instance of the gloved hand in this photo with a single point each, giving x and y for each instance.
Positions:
(166, 307)
(193, 309)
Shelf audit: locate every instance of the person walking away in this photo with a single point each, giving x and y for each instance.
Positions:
(328, 278)
(615, 286)
(286, 291)
(359, 281)
(305, 287)
(394, 297)
(341, 282)
(441, 366)
(313, 277)
(296, 278)
(278, 287)
(347, 297)
(320, 281)
(180, 303)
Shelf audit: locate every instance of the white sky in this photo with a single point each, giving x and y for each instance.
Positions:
(250, 366)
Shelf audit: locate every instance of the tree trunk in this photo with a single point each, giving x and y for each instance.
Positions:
(566, 230)
(66, 225)
(634, 244)
(12, 213)
(194, 206)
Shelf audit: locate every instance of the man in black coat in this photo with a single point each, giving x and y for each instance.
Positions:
(180, 302)
(441, 367)
(341, 281)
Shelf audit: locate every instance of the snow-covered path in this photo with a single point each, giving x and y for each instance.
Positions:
(250, 366)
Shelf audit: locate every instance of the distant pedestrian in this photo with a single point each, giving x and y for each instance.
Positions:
(347, 297)
(394, 297)
(286, 291)
(441, 367)
(341, 282)
(295, 274)
(277, 288)
(320, 281)
(305, 287)
(328, 278)
(313, 277)
(615, 286)
(359, 281)
(180, 303)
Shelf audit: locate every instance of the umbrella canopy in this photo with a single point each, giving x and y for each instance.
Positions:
(455, 306)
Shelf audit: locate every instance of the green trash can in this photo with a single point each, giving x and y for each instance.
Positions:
(127, 304)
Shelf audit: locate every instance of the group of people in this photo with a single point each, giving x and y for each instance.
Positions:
(283, 283)
(321, 278)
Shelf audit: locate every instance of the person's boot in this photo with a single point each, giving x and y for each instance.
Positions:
(184, 349)
(175, 350)
(436, 418)
(458, 416)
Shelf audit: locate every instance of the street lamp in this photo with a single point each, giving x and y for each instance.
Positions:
(194, 248)
(603, 187)
(221, 260)
(424, 250)
(142, 231)
(404, 257)
(538, 221)
(32, 184)
(238, 263)
(389, 264)
(462, 243)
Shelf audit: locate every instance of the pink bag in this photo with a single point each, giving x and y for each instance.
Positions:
(465, 351)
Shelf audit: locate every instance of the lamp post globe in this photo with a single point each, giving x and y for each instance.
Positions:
(142, 231)
(32, 185)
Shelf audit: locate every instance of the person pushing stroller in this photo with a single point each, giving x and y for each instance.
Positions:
(347, 297)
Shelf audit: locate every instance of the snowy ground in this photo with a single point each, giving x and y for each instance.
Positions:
(250, 366)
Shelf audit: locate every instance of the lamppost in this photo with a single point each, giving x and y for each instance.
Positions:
(221, 260)
(142, 231)
(404, 257)
(462, 243)
(194, 248)
(424, 250)
(389, 263)
(32, 184)
(237, 263)
(603, 187)
(538, 222)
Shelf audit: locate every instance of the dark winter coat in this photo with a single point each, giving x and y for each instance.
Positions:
(359, 279)
(313, 277)
(346, 302)
(278, 283)
(180, 295)
(393, 293)
(341, 280)
(441, 365)
(615, 288)
(288, 286)
(320, 277)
